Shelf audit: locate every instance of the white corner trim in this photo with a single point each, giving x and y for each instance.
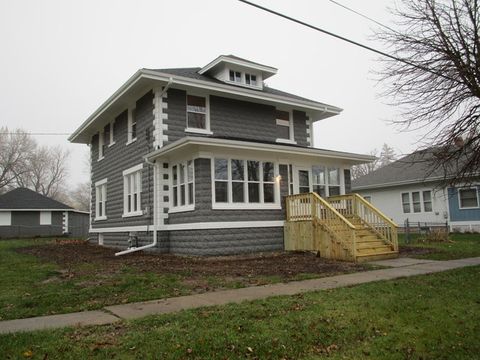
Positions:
(223, 225)
(101, 182)
(132, 169)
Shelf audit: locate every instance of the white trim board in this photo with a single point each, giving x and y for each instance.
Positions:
(194, 226)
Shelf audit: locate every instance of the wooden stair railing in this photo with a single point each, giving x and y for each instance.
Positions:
(355, 206)
(311, 207)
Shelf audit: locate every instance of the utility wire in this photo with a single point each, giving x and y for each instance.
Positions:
(362, 15)
(347, 40)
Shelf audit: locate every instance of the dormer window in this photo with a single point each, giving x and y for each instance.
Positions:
(235, 76)
(251, 79)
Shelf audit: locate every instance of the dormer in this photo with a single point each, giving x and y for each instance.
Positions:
(237, 71)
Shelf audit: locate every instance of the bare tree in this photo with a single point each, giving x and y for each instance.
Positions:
(364, 169)
(15, 148)
(387, 156)
(80, 197)
(437, 87)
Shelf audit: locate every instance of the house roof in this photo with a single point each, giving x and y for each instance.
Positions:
(23, 198)
(233, 143)
(418, 167)
(266, 70)
(188, 78)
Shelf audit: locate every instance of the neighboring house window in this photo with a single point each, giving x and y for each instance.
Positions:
(132, 189)
(427, 201)
(101, 145)
(235, 76)
(406, 202)
(416, 202)
(318, 180)
(45, 218)
(248, 182)
(468, 198)
(251, 79)
(284, 126)
(182, 194)
(5, 218)
(132, 125)
(197, 113)
(333, 181)
(101, 199)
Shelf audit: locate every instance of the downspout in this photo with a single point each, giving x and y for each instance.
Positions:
(155, 225)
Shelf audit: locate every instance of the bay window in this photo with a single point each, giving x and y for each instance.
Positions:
(318, 180)
(250, 183)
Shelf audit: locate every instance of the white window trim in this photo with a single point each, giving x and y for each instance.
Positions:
(5, 218)
(207, 115)
(469, 207)
(181, 208)
(288, 123)
(243, 80)
(126, 173)
(45, 218)
(410, 207)
(230, 205)
(130, 139)
(98, 184)
(100, 146)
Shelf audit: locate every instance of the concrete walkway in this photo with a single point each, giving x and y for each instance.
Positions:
(401, 267)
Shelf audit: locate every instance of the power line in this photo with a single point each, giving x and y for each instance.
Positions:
(366, 47)
(362, 15)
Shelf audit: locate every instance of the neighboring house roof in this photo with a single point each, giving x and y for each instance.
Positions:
(26, 199)
(418, 167)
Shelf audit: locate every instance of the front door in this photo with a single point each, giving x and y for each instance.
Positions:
(302, 180)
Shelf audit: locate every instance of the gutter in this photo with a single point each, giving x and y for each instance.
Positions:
(155, 225)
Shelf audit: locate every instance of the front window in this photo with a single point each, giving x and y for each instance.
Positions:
(427, 201)
(333, 181)
(182, 194)
(235, 76)
(416, 202)
(468, 198)
(196, 112)
(251, 79)
(406, 202)
(238, 181)
(283, 125)
(100, 200)
(318, 180)
(132, 181)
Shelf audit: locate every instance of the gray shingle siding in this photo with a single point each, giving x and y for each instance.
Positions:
(232, 118)
(120, 157)
(27, 224)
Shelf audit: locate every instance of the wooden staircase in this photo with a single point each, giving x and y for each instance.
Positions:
(343, 227)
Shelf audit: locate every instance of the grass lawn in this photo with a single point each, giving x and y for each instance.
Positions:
(424, 317)
(459, 246)
(42, 277)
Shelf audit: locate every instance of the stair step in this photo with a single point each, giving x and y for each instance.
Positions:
(372, 245)
(377, 256)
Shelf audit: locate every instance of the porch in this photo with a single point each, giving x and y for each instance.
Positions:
(343, 227)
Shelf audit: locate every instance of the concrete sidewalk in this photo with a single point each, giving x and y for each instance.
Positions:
(401, 267)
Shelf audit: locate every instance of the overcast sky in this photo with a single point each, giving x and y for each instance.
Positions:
(61, 59)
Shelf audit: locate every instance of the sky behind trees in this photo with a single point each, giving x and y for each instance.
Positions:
(61, 59)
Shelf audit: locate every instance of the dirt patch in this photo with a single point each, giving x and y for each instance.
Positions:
(85, 259)
(414, 250)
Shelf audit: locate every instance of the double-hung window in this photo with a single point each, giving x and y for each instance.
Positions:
(101, 145)
(333, 181)
(132, 190)
(284, 126)
(318, 180)
(406, 202)
(468, 198)
(235, 76)
(427, 201)
(100, 199)
(251, 79)
(183, 192)
(197, 113)
(132, 125)
(417, 207)
(247, 183)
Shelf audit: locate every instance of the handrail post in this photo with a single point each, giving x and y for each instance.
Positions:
(314, 208)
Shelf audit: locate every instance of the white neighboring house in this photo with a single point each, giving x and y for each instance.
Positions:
(408, 189)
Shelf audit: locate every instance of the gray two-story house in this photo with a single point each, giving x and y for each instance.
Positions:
(199, 160)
